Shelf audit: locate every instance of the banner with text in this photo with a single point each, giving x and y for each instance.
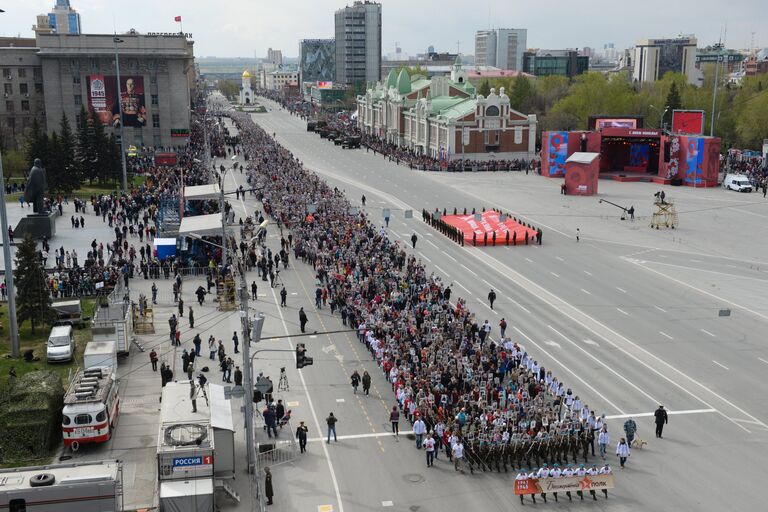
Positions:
(572, 484)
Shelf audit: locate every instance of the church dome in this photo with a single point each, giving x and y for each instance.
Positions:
(246, 74)
(403, 82)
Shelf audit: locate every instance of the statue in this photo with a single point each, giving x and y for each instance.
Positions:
(37, 184)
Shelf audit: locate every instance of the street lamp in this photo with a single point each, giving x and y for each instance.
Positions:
(115, 41)
(662, 124)
(719, 47)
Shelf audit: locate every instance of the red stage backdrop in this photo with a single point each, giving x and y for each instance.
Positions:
(490, 222)
(688, 122)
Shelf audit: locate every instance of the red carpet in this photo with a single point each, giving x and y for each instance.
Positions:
(490, 223)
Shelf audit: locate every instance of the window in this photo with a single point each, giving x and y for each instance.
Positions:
(101, 416)
(37, 73)
(17, 505)
(65, 420)
(76, 79)
(155, 120)
(8, 88)
(24, 88)
(9, 106)
(493, 110)
(152, 79)
(7, 74)
(25, 105)
(78, 100)
(82, 419)
(22, 73)
(154, 99)
(39, 88)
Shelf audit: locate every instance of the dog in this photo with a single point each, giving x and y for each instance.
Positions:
(639, 443)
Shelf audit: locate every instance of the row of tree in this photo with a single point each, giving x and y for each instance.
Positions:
(70, 158)
(561, 104)
(33, 297)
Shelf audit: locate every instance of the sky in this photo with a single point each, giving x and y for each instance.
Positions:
(244, 28)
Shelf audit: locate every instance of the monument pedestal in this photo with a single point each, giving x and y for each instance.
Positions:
(37, 226)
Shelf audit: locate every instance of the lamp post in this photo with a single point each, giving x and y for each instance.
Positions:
(115, 41)
(14, 327)
(719, 47)
(662, 124)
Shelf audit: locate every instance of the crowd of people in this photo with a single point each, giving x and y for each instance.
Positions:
(445, 367)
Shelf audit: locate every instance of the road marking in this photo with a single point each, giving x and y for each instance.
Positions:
(449, 256)
(591, 342)
(695, 261)
(585, 291)
(387, 504)
(422, 255)
(294, 293)
(622, 311)
(468, 269)
(666, 335)
(552, 343)
(486, 282)
(519, 305)
(325, 508)
(763, 360)
(340, 400)
(554, 274)
(443, 271)
(458, 283)
(529, 260)
(720, 365)
(489, 307)
(292, 404)
(707, 332)
(432, 244)
(334, 481)
(588, 272)
(587, 384)
(360, 436)
(622, 290)
(559, 258)
(647, 414)
(660, 309)
(312, 336)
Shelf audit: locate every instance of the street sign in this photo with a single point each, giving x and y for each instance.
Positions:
(263, 384)
(231, 392)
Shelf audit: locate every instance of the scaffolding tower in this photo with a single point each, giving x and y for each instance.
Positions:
(665, 215)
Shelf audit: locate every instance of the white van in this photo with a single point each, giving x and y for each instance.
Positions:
(61, 344)
(737, 182)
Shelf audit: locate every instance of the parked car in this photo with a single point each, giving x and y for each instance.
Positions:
(61, 344)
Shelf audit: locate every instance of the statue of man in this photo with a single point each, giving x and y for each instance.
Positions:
(37, 184)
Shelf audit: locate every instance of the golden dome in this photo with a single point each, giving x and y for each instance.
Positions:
(246, 74)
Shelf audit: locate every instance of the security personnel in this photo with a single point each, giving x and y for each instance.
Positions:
(541, 474)
(555, 472)
(567, 473)
(606, 470)
(581, 472)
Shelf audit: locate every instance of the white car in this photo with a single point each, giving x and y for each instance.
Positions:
(737, 182)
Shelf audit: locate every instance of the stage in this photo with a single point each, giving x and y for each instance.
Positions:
(478, 229)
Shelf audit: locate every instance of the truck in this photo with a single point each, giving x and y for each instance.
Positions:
(91, 408)
(79, 486)
(69, 311)
(100, 354)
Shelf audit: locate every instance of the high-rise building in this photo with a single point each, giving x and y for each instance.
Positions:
(502, 48)
(63, 19)
(317, 60)
(358, 43)
(567, 63)
(655, 57)
(275, 57)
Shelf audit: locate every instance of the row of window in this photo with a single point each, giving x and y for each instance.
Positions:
(10, 106)
(22, 73)
(76, 79)
(23, 88)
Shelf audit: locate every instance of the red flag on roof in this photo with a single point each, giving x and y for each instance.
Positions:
(177, 18)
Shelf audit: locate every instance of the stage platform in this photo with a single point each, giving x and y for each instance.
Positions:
(489, 223)
(627, 177)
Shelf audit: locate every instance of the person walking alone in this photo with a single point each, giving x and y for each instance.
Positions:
(269, 492)
(366, 382)
(394, 419)
(331, 422)
(491, 297)
(301, 435)
(622, 450)
(661, 420)
(429, 448)
(630, 427)
(303, 320)
(414, 239)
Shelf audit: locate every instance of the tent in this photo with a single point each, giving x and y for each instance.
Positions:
(201, 225)
(165, 247)
(210, 191)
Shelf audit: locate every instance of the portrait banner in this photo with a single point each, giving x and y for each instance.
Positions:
(103, 100)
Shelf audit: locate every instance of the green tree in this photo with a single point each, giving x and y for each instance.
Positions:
(521, 91)
(37, 145)
(485, 88)
(33, 299)
(68, 164)
(87, 158)
(14, 163)
(54, 170)
(228, 88)
(412, 70)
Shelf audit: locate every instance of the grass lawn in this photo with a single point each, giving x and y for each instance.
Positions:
(91, 189)
(37, 342)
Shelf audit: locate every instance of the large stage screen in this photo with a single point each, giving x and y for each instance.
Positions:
(600, 122)
(688, 122)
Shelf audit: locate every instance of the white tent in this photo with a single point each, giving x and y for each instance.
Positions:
(201, 225)
(210, 191)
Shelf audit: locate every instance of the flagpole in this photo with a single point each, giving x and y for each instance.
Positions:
(181, 27)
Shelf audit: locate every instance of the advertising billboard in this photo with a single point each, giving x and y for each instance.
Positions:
(103, 99)
(598, 122)
(689, 122)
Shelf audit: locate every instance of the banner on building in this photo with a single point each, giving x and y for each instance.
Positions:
(103, 100)
(688, 122)
(575, 483)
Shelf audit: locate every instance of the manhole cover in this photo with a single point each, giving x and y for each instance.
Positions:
(414, 478)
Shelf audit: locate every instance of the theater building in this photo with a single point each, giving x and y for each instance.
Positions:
(445, 118)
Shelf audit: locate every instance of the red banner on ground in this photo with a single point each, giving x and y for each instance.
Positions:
(572, 484)
(490, 222)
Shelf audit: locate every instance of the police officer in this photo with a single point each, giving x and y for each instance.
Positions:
(661, 420)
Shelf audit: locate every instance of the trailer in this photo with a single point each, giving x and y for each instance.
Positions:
(100, 354)
(80, 487)
(114, 322)
(69, 311)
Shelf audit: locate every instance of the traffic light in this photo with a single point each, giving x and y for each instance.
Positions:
(302, 359)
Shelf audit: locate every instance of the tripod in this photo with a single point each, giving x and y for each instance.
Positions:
(277, 281)
(283, 384)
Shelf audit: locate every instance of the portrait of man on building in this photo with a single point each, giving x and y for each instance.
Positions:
(132, 100)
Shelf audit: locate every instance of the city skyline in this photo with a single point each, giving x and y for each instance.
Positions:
(448, 26)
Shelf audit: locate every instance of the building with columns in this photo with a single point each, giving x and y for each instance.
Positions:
(444, 117)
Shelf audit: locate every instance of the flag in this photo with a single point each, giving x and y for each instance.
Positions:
(177, 18)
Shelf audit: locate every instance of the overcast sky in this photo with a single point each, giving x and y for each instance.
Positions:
(238, 28)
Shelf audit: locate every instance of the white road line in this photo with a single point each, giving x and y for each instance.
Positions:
(444, 272)
(763, 360)
(529, 260)
(552, 343)
(559, 258)
(387, 504)
(340, 400)
(554, 274)
(585, 291)
(468, 269)
(464, 287)
(486, 282)
(720, 365)
(489, 307)
(519, 305)
(361, 436)
(591, 342)
(312, 410)
(649, 414)
(422, 255)
(449, 256)
(622, 311)
(588, 272)
(660, 309)
(695, 261)
(607, 366)
(666, 335)
(587, 384)
(431, 243)
(707, 332)
(622, 290)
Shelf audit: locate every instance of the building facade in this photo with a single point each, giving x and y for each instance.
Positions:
(567, 63)
(358, 43)
(21, 76)
(653, 58)
(445, 118)
(276, 80)
(502, 48)
(275, 57)
(157, 75)
(317, 60)
(757, 63)
(63, 19)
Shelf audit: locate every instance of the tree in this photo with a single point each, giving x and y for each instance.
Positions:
(485, 88)
(14, 163)
(674, 102)
(521, 90)
(33, 299)
(37, 145)
(86, 156)
(54, 170)
(71, 178)
(228, 88)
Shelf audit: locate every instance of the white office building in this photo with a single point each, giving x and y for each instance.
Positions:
(502, 48)
(653, 58)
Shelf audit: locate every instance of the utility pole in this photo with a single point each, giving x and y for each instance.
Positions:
(258, 324)
(116, 40)
(14, 326)
(719, 47)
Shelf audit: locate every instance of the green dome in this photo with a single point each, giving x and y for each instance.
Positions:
(403, 82)
(392, 79)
